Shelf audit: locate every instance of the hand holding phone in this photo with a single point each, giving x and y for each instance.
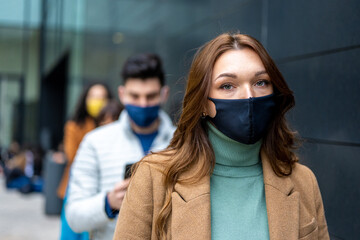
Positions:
(116, 195)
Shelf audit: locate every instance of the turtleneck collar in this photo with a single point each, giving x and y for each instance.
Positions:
(232, 158)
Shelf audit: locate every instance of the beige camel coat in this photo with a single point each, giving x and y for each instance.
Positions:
(294, 206)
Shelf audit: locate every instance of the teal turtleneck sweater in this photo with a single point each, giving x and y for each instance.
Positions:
(238, 208)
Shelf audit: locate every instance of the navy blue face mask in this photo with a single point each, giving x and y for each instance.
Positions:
(143, 116)
(244, 120)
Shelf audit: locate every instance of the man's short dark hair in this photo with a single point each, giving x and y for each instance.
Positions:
(143, 66)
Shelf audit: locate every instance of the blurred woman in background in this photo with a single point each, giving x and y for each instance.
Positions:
(89, 105)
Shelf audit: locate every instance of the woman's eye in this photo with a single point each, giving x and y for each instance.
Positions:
(262, 83)
(226, 87)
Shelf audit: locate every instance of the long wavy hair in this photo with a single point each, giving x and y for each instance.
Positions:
(190, 147)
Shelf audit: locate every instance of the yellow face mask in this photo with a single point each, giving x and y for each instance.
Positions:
(94, 106)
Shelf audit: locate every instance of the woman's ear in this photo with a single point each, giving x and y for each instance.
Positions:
(210, 109)
(164, 94)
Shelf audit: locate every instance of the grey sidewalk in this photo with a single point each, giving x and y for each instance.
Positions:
(22, 216)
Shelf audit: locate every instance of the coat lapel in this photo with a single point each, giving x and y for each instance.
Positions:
(191, 209)
(191, 217)
(282, 204)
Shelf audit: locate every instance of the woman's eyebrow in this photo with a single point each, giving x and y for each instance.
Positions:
(230, 75)
(260, 72)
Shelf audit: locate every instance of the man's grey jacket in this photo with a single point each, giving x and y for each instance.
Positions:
(99, 164)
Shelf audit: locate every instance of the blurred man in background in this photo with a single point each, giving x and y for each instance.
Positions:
(98, 182)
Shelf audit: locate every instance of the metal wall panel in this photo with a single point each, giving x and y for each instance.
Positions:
(327, 95)
(336, 168)
(316, 45)
(305, 27)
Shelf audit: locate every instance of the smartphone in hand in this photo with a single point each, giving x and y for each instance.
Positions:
(128, 171)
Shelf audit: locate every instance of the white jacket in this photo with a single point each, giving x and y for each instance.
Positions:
(99, 164)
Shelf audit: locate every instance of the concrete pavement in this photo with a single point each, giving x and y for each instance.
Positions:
(22, 216)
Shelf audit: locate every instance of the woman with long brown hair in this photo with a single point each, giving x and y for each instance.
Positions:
(230, 171)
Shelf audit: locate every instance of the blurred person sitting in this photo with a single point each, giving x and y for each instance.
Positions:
(97, 183)
(109, 113)
(11, 151)
(23, 169)
(18, 171)
(93, 99)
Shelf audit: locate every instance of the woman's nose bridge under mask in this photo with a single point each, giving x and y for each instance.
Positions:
(244, 120)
